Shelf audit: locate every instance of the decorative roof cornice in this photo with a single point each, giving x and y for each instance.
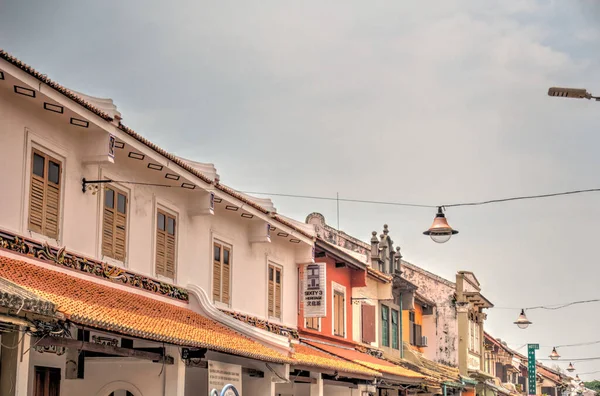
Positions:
(271, 327)
(65, 259)
(14, 297)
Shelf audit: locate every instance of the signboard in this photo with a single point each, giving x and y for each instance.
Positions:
(313, 292)
(532, 383)
(111, 146)
(223, 374)
(105, 339)
(474, 362)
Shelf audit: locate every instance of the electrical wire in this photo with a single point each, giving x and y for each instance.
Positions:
(366, 201)
(552, 307)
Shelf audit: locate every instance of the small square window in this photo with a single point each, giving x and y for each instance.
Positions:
(109, 198)
(217, 253)
(171, 225)
(161, 221)
(38, 165)
(226, 256)
(54, 172)
(121, 203)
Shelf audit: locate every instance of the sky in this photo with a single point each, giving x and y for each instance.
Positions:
(400, 101)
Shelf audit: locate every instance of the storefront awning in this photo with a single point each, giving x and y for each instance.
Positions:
(108, 308)
(387, 369)
(306, 355)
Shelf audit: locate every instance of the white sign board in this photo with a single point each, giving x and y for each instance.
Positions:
(221, 374)
(314, 290)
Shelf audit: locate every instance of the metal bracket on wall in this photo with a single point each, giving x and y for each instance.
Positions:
(92, 185)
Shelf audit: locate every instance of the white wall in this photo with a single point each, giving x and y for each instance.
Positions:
(24, 123)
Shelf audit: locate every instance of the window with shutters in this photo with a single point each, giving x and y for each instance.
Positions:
(395, 329)
(368, 323)
(166, 243)
(275, 285)
(44, 194)
(339, 328)
(222, 261)
(114, 224)
(385, 326)
(46, 381)
(312, 323)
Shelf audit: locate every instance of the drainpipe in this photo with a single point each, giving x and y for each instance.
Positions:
(402, 330)
(444, 392)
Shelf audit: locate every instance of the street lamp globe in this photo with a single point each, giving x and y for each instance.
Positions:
(554, 355)
(440, 231)
(571, 368)
(522, 321)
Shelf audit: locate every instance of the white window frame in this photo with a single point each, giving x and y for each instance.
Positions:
(34, 141)
(169, 208)
(341, 289)
(223, 240)
(129, 190)
(277, 265)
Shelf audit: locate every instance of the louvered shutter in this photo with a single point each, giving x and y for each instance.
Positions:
(44, 194)
(171, 235)
(52, 201)
(37, 192)
(278, 282)
(368, 323)
(226, 277)
(108, 223)
(217, 253)
(120, 238)
(418, 335)
(271, 291)
(161, 244)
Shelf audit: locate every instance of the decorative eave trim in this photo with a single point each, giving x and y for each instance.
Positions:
(278, 342)
(21, 304)
(262, 324)
(65, 259)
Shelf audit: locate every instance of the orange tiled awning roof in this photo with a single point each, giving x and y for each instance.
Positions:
(380, 365)
(309, 356)
(104, 307)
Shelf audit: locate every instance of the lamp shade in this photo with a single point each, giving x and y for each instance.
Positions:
(440, 231)
(554, 355)
(522, 320)
(571, 368)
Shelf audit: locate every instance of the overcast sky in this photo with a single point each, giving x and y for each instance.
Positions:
(404, 101)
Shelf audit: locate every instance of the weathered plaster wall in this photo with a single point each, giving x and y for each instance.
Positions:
(443, 338)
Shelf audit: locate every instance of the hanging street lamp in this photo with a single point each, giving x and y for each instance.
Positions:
(554, 355)
(440, 231)
(571, 368)
(522, 321)
(575, 93)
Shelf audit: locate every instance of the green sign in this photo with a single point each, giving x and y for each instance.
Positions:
(531, 348)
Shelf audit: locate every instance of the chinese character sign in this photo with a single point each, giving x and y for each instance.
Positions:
(314, 288)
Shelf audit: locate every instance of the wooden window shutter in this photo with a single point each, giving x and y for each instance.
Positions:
(338, 315)
(278, 296)
(44, 194)
(368, 323)
(171, 246)
(217, 253)
(271, 290)
(161, 244)
(46, 381)
(114, 224)
(226, 277)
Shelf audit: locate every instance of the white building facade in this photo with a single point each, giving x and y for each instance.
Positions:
(148, 213)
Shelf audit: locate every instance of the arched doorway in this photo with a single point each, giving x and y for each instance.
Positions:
(119, 388)
(121, 392)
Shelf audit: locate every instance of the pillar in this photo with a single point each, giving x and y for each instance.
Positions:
(462, 310)
(316, 389)
(14, 364)
(482, 317)
(174, 374)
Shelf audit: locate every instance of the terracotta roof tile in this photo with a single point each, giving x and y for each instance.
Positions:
(309, 356)
(111, 309)
(383, 366)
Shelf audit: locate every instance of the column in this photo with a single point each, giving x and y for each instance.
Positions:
(174, 374)
(14, 363)
(482, 317)
(462, 309)
(316, 389)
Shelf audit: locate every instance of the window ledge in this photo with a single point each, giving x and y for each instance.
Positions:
(219, 304)
(43, 238)
(115, 262)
